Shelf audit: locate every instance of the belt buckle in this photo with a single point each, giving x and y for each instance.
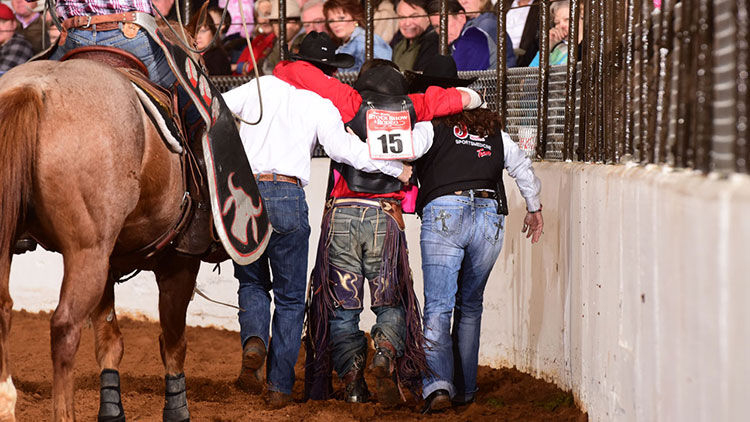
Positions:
(88, 23)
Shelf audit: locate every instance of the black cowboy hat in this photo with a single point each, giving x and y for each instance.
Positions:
(439, 71)
(317, 47)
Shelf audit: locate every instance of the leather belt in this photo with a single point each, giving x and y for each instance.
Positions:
(363, 202)
(99, 22)
(490, 194)
(266, 177)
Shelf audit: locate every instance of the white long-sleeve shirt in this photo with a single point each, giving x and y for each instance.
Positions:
(519, 168)
(284, 139)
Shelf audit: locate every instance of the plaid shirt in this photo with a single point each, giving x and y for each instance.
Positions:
(68, 8)
(15, 51)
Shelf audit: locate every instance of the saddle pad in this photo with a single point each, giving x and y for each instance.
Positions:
(158, 104)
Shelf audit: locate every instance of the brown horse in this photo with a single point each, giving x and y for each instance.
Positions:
(85, 171)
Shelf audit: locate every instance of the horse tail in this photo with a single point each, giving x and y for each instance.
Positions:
(20, 110)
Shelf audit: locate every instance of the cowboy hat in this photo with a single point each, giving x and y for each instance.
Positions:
(439, 71)
(317, 47)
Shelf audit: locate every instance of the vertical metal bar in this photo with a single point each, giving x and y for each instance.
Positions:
(606, 87)
(369, 29)
(741, 147)
(682, 149)
(543, 84)
(704, 92)
(643, 145)
(502, 61)
(613, 82)
(601, 107)
(670, 147)
(444, 28)
(570, 81)
(586, 73)
(629, 82)
(593, 48)
(282, 29)
(665, 78)
(187, 10)
(653, 84)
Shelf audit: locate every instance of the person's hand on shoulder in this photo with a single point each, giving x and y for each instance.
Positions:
(470, 98)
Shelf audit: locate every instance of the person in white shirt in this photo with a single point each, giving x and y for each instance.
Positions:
(279, 148)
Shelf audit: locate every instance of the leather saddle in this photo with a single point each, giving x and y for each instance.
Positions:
(194, 232)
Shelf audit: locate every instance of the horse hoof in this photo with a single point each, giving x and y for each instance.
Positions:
(110, 406)
(175, 406)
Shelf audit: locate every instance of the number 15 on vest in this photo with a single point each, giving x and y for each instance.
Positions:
(389, 135)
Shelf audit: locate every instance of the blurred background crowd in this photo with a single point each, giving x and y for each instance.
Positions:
(406, 31)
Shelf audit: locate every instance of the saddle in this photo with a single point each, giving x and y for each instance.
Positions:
(194, 233)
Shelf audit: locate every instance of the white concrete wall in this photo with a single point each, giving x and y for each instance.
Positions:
(636, 299)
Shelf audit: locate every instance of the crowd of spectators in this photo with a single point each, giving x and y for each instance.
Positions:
(406, 31)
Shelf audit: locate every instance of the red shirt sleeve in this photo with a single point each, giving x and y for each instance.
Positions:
(304, 75)
(436, 102)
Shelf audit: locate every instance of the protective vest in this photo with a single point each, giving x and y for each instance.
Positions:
(360, 181)
(460, 161)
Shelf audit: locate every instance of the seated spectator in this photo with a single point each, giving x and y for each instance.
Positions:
(419, 41)
(31, 24)
(558, 34)
(215, 58)
(234, 38)
(14, 48)
(313, 18)
(386, 20)
(263, 39)
(522, 25)
(472, 47)
(294, 33)
(346, 20)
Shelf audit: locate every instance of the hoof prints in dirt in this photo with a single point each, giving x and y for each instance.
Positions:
(213, 362)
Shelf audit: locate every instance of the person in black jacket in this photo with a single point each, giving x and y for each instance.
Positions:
(462, 205)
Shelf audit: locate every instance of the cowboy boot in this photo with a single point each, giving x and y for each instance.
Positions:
(383, 364)
(253, 357)
(354, 380)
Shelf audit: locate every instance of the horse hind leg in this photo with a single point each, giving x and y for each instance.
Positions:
(7, 389)
(175, 276)
(82, 288)
(109, 349)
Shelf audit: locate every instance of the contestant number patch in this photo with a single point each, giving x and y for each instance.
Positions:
(389, 135)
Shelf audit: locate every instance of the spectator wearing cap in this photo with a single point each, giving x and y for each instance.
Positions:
(346, 20)
(294, 33)
(31, 24)
(14, 48)
(279, 149)
(462, 204)
(418, 40)
(263, 40)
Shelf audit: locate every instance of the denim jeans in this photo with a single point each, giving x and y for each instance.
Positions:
(285, 258)
(356, 245)
(141, 46)
(460, 240)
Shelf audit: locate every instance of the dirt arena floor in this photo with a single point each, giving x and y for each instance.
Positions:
(213, 362)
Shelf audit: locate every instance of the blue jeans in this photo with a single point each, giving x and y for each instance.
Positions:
(141, 46)
(356, 245)
(461, 239)
(286, 258)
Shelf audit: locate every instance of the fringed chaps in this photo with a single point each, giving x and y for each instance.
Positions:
(320, 303)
